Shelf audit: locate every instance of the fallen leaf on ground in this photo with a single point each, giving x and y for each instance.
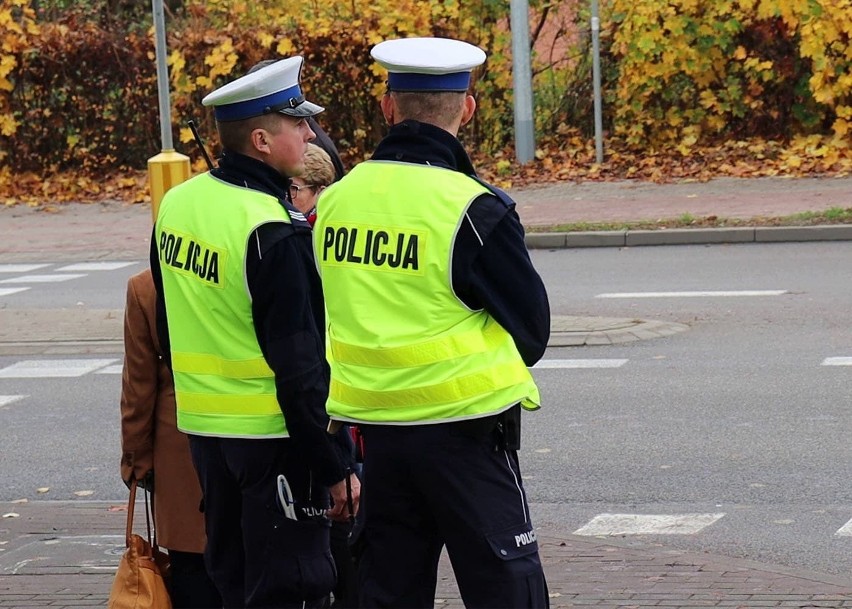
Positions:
(84, 493)
(10, 515)
(43, 489)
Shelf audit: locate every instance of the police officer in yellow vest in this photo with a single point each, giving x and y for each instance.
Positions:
(434, 313)
(241, 315)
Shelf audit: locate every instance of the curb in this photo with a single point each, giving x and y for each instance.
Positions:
(565, 331)
(689, 236)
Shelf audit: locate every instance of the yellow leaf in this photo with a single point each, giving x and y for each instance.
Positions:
(740, 53)
(793, 162)
(265, 39)
(285, 47)
(186, 135)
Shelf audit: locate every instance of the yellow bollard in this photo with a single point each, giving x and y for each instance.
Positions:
(165, 170)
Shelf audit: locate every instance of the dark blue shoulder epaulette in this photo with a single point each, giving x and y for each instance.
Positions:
(497, 192)
(297, 218)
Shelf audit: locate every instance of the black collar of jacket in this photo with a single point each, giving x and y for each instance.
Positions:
(241, 170)
(414, 142)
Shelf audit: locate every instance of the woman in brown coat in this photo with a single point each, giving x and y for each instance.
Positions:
(151, 444)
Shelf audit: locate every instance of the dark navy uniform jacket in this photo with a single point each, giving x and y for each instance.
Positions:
(288, 314)
(491, 266)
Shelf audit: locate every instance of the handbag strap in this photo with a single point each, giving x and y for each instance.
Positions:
(131, 504)
(150, 521)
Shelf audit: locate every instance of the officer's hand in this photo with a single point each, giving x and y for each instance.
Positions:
(340, 509)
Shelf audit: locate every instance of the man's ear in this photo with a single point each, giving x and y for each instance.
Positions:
(260, 140)
(388, 108)
(468, 109)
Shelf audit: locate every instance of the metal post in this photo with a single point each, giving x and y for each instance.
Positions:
(169, 167)
(596, 79)
(522, 81)
(162, 75)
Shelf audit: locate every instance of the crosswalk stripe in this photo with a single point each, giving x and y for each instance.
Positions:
(692, 294)
(647, 524)
(8, 291)
(20, 268)
(845, 530)
(5, 400)
(41, 278)
(53, 368)
(837, 361)
(580, 363)
(114, 369)
(95, 266)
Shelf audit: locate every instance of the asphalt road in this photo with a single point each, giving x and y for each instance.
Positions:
(738, 416)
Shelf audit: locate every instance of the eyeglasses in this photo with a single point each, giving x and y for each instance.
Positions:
(295, 189)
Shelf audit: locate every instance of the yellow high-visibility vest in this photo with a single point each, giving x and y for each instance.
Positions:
(403, 348)
(223, 385)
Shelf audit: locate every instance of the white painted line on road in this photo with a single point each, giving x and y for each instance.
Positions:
(837, 361)
(647, 524)
(20, 268)
(691, 294)
(581, 363)
(41, 278)
(114, 369)
(96, 266)
(845, 530)
(8, 291)
(51, 368)
(5, 400)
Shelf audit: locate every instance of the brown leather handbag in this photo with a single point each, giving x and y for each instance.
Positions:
(142, 576)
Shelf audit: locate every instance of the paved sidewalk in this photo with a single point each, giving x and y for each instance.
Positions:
(63, 554)
(119, 231)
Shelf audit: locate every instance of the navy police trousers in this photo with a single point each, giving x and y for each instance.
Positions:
(255, 554)
(427, 486)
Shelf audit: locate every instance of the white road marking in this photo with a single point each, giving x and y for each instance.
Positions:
(581, 363)
(7, 291)
(647, 524)
(845, 530)
(49, 368)
(95, 266)
(691, 294)
(5, 400)
(20, 268)
(837, 361)
(114, 369)
(41, 278)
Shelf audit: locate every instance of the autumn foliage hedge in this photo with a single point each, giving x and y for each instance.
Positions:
(78, 86)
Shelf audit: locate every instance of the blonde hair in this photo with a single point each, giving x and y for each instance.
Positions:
(319, 170)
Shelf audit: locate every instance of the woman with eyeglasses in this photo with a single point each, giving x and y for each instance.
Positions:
(306, 188)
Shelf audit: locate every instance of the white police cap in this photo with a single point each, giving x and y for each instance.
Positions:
(273, 88)
(428, 64)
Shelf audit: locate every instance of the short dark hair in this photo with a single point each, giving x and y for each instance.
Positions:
(235, 135)
(439, 108)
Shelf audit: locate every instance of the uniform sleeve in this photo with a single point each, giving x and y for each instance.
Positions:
(138, 391)
(289, 319)
(160, 306)
(492, 270)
